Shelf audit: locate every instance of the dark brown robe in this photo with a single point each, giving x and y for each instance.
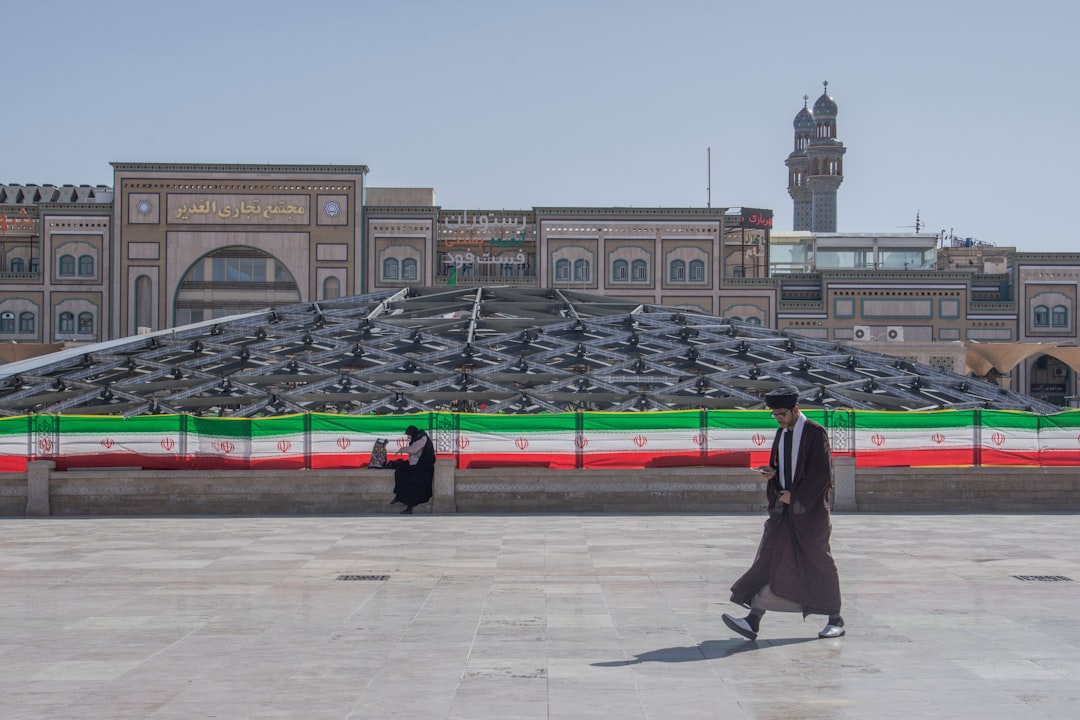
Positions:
(794, 557)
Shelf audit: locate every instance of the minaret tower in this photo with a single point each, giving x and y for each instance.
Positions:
(798, 164)
(824, 154)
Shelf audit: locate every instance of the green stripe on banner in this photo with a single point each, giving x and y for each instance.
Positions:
(935, 419)
(517, 424)
(382, 426)
(15, 426)
(1009, 419)
(109, 424)
(1063, 421)
(630, 422)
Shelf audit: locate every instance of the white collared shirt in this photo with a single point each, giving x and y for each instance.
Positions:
(795, 441)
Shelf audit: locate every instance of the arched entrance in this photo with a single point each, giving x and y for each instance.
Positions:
(1049, 379)
(232, 280)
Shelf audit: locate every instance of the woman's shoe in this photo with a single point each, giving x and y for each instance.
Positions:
(395, 501)
(407, 510)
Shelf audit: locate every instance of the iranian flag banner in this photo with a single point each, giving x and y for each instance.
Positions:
(914, 439)
(15, 450)
(546, 441)
(1009, 437)
(345, 441)
(152, 441)
(727, 438)
(659, 439)
(1059, 439)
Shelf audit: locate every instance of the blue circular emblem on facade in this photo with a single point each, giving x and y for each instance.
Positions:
(332, 208)
(144, 206)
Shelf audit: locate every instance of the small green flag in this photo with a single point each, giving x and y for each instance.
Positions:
(451, 279)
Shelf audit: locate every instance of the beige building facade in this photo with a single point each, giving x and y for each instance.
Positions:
(170, 244)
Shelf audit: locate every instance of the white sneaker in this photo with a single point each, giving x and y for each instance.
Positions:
(740, 626)
(832, 631)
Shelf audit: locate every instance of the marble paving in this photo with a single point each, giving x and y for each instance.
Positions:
(555, 617)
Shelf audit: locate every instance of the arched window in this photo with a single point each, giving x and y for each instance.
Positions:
(7, 322)
(86, 266)
(35, 264)
(26, 322)
(1042, 316)
(1059, 316)
(86, 324)
(16, 265)
(226, 281)
(67, 265)
(678, 271)
(639, 270)
(65, 323)
(331, 288)
(581, 270)
(144, 307)
(390, 269)
(620, 271)
(408, 269)
(753, 320)
(697, 271)
(562, 270)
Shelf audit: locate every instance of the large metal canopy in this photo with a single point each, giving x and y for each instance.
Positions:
(474, 349)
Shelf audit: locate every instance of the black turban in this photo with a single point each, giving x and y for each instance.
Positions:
(784, 397)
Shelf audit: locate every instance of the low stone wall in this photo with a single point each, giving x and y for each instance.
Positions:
(1013, 489)
(44, 491)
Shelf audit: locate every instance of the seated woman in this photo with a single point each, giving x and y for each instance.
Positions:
(413, 478)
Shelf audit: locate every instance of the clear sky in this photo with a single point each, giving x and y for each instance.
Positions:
(965, 111)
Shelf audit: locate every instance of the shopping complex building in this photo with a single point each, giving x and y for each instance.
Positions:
(170, 244)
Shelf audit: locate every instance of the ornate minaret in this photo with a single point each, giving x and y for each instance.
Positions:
(825, 154)
(798, 185)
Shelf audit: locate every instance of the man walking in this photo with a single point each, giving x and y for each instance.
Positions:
(794, 569)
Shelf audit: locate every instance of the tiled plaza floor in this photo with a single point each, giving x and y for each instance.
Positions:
(528, 616)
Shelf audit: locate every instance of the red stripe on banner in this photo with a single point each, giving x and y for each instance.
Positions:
(479, 461)
(340, 461)
(915, 458)
(121, 459)
(1058, 458)
(637, 460)
(1016, 457)
(13, 463)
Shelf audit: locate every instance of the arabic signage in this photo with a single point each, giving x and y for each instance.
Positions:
(238, 209)
(497, 240)
(751, 218)
(20, 224)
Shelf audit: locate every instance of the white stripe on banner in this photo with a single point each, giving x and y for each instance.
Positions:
(1054, 438)
(892, 439)
(150, 443)
(351, 443)
(740, 439)
(233, 448)
(644, 441)
(276, 446)
(480, 443)
(1010, 439)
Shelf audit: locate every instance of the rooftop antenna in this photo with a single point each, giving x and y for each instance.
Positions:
(917, 225)
(708, 186)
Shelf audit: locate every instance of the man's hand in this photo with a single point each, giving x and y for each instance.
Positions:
(785, 497)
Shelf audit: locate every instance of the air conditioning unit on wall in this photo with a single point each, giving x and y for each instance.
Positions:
(862, 332)
(1060, 371)
(894, 333)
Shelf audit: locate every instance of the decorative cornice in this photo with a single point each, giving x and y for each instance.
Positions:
(195, 167)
